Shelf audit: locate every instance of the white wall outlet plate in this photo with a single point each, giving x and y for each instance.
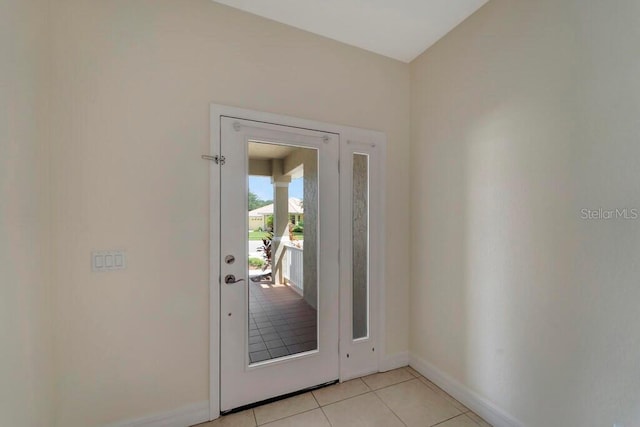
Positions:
(108, 260)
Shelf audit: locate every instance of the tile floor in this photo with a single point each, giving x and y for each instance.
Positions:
(280, 322)
(401, 397)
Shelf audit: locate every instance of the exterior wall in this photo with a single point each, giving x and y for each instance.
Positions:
(256, 222)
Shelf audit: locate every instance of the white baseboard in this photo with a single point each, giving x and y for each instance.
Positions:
(472, 400)
(181, 417)
(394, 361)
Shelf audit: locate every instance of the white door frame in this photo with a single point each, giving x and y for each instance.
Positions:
(377, 255)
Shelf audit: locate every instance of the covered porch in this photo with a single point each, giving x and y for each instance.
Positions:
(283, 298)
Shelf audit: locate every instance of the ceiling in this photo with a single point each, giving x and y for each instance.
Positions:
(399, 29)
(263, 151)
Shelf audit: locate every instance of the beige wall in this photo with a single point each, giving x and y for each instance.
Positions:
(132, 85)
(25, 315)
(521, 117)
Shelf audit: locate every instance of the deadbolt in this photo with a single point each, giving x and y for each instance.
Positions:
(229, 259)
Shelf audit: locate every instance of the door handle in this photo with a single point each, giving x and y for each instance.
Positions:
(230, 279)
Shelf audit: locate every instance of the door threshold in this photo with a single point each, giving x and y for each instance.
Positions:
(275, 399)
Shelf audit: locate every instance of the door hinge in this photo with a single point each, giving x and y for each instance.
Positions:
(219, 160)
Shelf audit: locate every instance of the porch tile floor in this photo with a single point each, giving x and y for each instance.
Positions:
(281, 322)
(401, 397)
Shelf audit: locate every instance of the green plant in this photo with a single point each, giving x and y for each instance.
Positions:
(298, 228)
(255, 202)
(256, 262)
(269, 222)
(266, 249)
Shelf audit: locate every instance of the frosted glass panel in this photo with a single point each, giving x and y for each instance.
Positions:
(360, 246)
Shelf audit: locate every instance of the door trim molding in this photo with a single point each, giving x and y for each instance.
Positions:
(352, 133)
(214, 266)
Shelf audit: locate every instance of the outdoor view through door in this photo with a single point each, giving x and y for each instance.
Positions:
(282, 250)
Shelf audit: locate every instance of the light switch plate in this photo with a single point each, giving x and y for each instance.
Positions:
(108, 260)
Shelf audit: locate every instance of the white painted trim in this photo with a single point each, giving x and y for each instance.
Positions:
(363, 354)
(214, 268)
(181, 417)
(493, 414)
(382, 291)
(394, 361)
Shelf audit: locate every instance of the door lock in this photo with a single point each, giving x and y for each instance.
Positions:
(229, 259)
(230, 279)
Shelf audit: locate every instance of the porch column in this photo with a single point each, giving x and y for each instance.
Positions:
(280, 183)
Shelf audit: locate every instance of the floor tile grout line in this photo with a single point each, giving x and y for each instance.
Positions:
(411, 379)
(344, 398)
(374, 392)
(326, 417)
(388, 407)
(288, 416)
(365, 384)
(314, 398)
(350, 397)
(414, 375)
(391, 385)
(441, 391)
(448, 419)
(321, 410)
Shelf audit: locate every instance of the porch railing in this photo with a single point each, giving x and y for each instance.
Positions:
(292, 270)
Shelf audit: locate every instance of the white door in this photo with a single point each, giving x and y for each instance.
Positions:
(279, 320)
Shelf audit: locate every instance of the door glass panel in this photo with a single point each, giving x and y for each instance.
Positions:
(360, 242)
(282, 250)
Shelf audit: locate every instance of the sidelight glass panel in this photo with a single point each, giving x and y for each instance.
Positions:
(360, 241)
(282, 250)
